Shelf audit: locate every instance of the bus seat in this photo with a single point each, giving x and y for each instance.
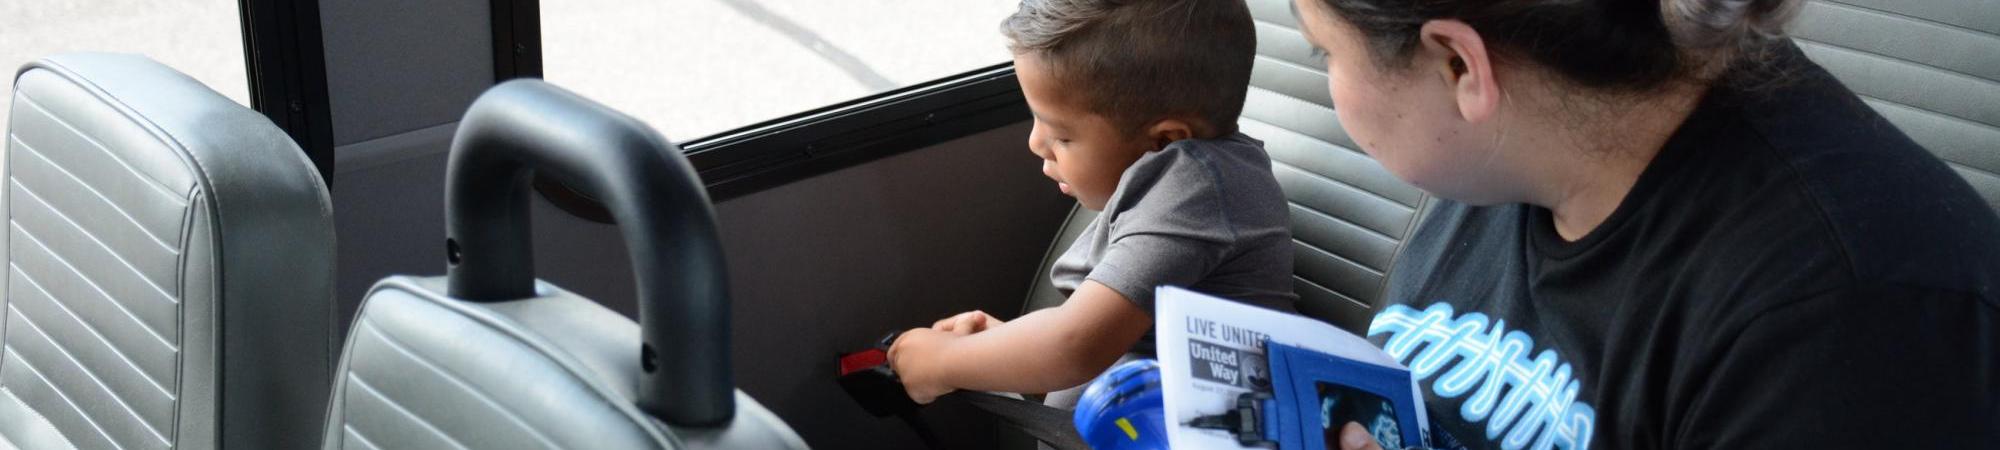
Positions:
(488, 357)
(1349, 214)
(170, 266)
(1932, 68)
(423, 370)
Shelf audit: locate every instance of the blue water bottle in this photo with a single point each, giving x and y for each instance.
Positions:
(1123, 409)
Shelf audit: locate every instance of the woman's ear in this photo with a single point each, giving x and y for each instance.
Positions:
(1459, 56)
(1166, 131)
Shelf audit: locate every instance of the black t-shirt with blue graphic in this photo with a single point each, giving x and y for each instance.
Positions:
(1790, 271)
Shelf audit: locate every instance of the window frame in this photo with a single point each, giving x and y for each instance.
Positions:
(771, 153)
(286, 68)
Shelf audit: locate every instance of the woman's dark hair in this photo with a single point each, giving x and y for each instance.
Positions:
(1618, 45)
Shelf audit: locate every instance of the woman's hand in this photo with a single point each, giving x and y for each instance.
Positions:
(911, 356)
(967, 323)
(1355, 437)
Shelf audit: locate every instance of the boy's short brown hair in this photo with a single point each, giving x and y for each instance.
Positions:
(1137, 61)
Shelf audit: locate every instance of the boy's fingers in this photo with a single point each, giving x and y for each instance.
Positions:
(896, 346)
(1354, 437)
(954, 323)
(967, 323)
(924, 397)
(988, 322)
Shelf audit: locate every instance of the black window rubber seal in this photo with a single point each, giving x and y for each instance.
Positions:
(773, 153)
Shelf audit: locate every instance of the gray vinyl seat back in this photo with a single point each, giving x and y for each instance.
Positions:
(1349, 214)
(422, 370)
(487, 357)
(169, 266)
(1931, 67)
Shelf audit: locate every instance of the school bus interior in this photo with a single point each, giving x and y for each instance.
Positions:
(188, 255)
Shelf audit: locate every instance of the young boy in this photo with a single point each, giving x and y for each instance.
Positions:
(1135, 105)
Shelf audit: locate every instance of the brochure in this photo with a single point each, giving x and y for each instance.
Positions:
(1315, 377)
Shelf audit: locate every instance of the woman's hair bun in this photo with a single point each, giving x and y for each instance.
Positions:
(1702, 26)
(1613, 44)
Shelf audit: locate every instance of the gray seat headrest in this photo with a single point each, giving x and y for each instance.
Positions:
(170, 265)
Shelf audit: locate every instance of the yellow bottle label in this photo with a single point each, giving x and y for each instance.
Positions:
(1127, 426)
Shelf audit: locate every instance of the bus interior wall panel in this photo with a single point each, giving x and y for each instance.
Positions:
(825, 264)
(390, 221)
(396, 71)
(396, 66)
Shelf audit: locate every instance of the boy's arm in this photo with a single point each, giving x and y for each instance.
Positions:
(1047, 350)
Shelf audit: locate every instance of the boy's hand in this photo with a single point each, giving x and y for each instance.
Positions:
(967, 323)
(909, 355)
(1046, 350)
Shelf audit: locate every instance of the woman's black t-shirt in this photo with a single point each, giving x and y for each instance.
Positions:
(1790, 271)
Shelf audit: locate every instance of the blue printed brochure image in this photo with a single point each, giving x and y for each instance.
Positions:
(1321, 393)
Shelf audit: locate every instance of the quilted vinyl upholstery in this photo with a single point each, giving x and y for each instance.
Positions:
(169, 266)
(423, 370)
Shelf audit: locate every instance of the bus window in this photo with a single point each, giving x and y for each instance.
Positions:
(693, 69)
(202, 38)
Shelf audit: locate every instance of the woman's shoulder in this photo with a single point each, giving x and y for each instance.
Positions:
(1893, 211)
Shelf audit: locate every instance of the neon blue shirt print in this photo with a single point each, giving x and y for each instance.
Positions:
(1539, 404)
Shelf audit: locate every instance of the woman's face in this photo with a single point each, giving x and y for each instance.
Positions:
(1406, 118)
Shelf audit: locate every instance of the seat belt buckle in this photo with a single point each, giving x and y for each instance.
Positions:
(867, 377)
(1250, 422)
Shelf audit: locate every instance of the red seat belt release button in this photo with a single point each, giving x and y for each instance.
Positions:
(867, 377)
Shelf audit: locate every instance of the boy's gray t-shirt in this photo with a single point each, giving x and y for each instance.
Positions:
(1205, 214)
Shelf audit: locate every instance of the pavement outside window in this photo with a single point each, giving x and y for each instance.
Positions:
(202, 38)
(690, 68)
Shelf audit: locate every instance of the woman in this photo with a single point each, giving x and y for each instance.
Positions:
(1662, 227)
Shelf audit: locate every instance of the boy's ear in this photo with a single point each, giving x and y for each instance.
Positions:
(1459, 55)
(1167, 131)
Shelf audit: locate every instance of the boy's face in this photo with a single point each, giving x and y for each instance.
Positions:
(1082, 151)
